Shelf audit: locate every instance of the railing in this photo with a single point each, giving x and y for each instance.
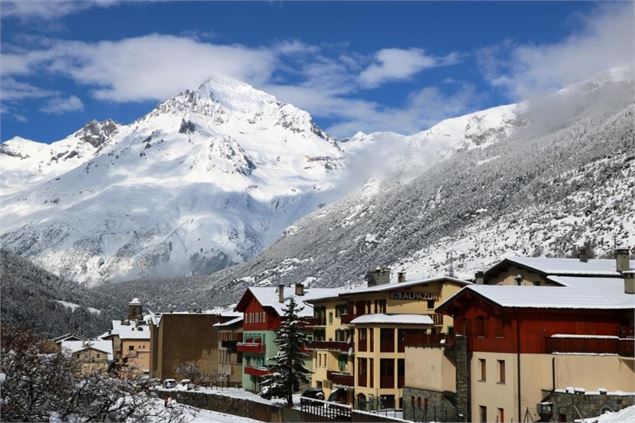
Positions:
(330, 345)
(315, 321)
(251, 347)
(440, 340)
(256, 371)
(315, 410)
(344, 379)
(594, 344)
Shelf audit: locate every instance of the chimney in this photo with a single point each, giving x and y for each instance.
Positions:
(479, 277)
(629, 281)
(401, 276)
(135, 309)
(622, 259)
(281, 292)
(378, 276)
(583, 254)
(299, 289)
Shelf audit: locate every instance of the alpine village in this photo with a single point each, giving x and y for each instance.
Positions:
(514, 343)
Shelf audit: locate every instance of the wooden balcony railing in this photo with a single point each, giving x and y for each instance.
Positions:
(437, 319)
(251, 347)
(346, 318)
(440, 340)
(338, 378)
(315, 321)
(330, 345)
(594, 344)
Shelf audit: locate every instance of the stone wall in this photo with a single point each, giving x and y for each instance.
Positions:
(441, 406)
(575, 406)
(462, 379)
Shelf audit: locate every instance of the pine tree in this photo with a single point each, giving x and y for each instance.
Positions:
(287, 370)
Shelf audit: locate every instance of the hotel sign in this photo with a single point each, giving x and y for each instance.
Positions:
(411, 295)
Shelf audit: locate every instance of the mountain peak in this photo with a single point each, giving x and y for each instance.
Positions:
(96, 132)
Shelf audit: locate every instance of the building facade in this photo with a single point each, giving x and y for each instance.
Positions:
(184, 337)
(230, 360)
(538, 351)
(263, 309)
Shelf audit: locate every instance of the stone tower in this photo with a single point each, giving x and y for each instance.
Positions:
(135, 309)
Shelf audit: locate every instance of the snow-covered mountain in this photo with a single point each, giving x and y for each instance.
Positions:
(560, 172)
(207, 179)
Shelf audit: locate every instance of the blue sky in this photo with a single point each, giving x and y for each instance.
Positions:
(353, 66)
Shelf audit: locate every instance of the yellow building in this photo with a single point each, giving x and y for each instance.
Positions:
(93, 355)
(378, 318)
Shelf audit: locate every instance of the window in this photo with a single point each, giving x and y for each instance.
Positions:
(499, 328)
(372, 373)
(481, 362)
(501, 371)
(482, 414)
(98, 355)
(130, 347)
(372, 339)
(419, 402)
(387, 340)
(412, 401)
(382, 306)
(361, 334)
(501, 415)
(361, 372)
(330, 317)
(425, 405)
(319, 360)
(401, 372)
(430, 304)
(387, 373)
(342, 361)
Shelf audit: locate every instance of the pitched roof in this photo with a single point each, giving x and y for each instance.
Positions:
(577, 293)
(96, 344)
(131, 330)
(404, 319)
(400, 285)
(231, 322)
(268, 297)
(563, 266)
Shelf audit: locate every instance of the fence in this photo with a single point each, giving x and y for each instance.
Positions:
(382, 405)
(314, 410)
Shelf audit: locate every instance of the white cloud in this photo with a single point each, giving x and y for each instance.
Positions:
(605, 39)
(398, 64)
(11, 90)
(151, 67)
(59, 105)
(47, 9)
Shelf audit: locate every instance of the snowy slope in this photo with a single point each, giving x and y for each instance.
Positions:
(564, 174)
(207, 179)
(25, 161)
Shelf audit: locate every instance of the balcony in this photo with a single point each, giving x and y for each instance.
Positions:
(315, 321)
(330, 345)
(346, 318)
(251, 347)
(592, 344)
(437, 319)
(338, 378)
(256, 371)
(441, 340)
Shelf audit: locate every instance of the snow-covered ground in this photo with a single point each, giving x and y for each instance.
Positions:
(626, 415)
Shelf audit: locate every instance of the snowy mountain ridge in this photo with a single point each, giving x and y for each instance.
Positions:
(214, 175)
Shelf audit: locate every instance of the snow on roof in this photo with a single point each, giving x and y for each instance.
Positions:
(131, 330)
(601, 296)
(268, 297)
(569, 266)
(404, 319)
(399, 285)
(135, 301)
(97, 344)
(229, 322)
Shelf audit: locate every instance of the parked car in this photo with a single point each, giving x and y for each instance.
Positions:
(316, 393)
(338, 395)
(186, 384)
(169, 384)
